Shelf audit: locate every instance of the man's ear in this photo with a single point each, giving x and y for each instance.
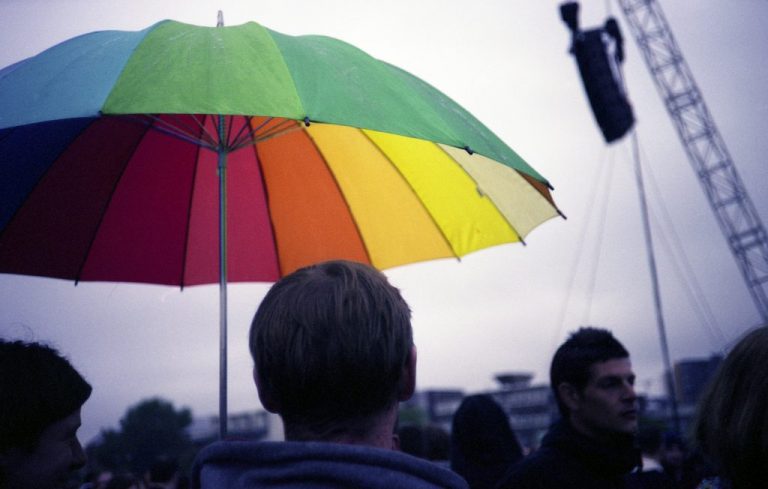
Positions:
(408, 377)
(265, 395)
(569, 395)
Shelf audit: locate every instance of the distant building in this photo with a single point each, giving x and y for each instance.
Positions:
(514, 380)
(438, 405)
(659, 410)
(531, 408)
(252, 425)
(692, 376)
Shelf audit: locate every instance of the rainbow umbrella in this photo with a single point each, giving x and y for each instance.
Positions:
(187, 155)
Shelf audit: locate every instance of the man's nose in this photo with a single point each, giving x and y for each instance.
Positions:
(629, 391)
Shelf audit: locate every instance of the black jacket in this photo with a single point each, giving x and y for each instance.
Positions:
(568, 459)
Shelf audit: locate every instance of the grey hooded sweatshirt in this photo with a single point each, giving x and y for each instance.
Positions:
(315, 465)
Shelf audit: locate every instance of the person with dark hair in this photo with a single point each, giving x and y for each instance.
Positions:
(652, 474)
(163, 473)
(430, 442)
(124, 481)
(483, 445)
(40, 399)
(731, 425)
(592, 446)
(675, 459)
(437, 444)
(410, 440)
(333, 356)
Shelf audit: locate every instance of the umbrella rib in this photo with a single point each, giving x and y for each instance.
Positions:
(189, 219)
(249, 139)
(260, 126)
(483, 194)
(42, 175)
(182, 137)
(191, 130)
(265, 191)
(173, 132)
(273, 132)
(231, 118)
(276, 130)
(236, 140)
(107, 203)
(211, 138)
(408, 184)
(338, 187)
(245, 143)
(543, 192)
(271, 136)
(203, 138)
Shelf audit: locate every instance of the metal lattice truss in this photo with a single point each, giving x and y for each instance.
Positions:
(736, 214)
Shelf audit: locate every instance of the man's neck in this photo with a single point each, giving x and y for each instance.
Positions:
(376, 431)
(608, 437)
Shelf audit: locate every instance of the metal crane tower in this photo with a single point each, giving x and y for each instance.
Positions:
(736, 214)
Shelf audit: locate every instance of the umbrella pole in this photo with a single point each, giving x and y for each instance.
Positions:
(222, 171)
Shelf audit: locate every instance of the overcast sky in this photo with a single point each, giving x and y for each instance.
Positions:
(501, 309)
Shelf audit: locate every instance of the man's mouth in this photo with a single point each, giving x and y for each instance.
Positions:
(629, 414)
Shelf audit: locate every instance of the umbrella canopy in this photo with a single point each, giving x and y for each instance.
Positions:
(186, 155)
(86, 195)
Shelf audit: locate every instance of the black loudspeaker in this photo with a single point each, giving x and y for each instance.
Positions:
(598, 53)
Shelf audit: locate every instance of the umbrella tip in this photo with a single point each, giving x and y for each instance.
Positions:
(220, 19)
(306, 121)
(469, 150)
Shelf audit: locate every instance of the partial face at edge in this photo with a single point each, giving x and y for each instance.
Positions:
(57, 454)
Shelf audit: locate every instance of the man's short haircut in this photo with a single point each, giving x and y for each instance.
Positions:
(330, 341)
(37, 388)
(573, 360)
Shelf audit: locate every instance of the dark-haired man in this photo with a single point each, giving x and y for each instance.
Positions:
(40, 399)
(333, 351)
(592, 446)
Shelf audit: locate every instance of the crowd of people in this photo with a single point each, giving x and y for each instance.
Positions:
(164, 473)
(334, 356)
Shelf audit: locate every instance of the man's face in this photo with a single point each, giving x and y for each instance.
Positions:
(56, 455)
(608, 403)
